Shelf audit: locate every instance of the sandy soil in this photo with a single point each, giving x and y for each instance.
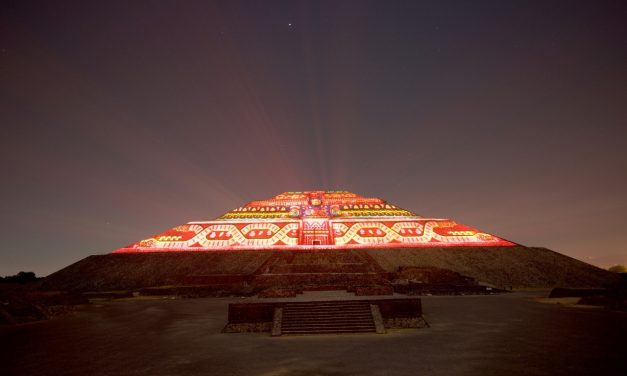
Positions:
(509, 334)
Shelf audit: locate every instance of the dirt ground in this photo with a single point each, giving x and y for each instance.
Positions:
(511, 334)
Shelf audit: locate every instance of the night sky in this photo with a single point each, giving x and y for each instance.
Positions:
(122, 119)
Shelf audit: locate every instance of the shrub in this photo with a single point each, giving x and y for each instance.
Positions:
(21, 277)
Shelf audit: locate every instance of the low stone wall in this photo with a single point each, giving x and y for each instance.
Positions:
(251, 312)
(397, 308)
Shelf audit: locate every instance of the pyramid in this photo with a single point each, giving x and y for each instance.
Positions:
(314, 220)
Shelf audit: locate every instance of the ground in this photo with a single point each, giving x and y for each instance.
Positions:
(510, 334)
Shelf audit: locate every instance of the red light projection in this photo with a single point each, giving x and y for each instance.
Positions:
(315, 220)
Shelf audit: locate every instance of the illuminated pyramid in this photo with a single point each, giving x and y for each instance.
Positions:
(315, 220)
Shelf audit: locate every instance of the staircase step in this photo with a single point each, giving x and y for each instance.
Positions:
(304, 323)
(324, 322)
(334, 310)
(328, 304)
(295, 305)
(327, 317)
(338, 301)
(333, 319)
(337, 309)
(327, 331)
(326, 314)
(330, 325)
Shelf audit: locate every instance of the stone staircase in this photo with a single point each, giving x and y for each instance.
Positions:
(327, 317)
(304, 270)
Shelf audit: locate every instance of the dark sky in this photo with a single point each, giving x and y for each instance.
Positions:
(122, 119)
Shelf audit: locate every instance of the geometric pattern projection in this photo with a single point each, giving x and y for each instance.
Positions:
(315, 220)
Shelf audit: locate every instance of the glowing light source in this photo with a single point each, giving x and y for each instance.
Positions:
(315, 220)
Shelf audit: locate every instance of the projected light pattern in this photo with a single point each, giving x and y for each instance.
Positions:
(312, 220)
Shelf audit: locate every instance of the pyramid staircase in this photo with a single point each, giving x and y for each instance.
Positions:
(315, 270)
(327, 317)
